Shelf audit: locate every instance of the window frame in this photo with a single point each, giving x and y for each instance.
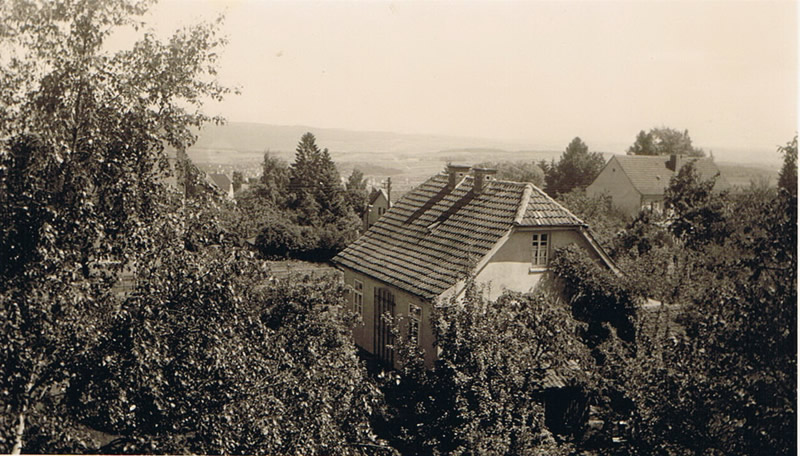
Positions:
(358, 297)
(540, 248)
(414, 322)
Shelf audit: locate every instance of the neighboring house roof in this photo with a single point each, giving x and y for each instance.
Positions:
(429, 238)
(220, 180)
(376, 192)
(650, 175)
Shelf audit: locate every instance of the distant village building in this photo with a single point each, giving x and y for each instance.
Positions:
(638, 182)
(377, 205)
(456, 222)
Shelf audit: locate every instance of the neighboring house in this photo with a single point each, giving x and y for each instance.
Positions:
(455, 223)
(638, 182)
(377, 205)
(222, 182)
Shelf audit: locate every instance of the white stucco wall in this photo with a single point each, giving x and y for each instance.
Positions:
(613, 181)
(510, 266)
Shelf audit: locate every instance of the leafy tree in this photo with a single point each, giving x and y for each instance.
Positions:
(596, 295)
(718, 376)
(207, 357)
(698, 213)
(238, 181)
(604, 219)
(82, 160)
(664, 141)
(517, 171)
(274, 180)
(643, 145)
(788, 175)
(316, 221)
(485, 395)
(356, 188)
(576, 168)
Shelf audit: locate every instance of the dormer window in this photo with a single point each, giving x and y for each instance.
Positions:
(539, 249)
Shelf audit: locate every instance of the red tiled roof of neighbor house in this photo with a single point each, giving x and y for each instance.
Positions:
(433, 235)
(650, 175)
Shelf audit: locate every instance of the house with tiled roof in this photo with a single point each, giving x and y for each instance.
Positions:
(377, 205)
(458, 223)
(638, 182)
(222, 182)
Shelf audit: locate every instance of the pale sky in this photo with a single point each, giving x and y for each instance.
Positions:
(536, 72)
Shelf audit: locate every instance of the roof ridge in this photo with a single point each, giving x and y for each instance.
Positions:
(541, 192)
(523, 203)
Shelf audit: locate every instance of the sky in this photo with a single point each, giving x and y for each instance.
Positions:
(539, 73)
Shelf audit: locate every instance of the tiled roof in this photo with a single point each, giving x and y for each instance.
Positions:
(376, 192)
(220, 180)
(427, 240)
(650, 175)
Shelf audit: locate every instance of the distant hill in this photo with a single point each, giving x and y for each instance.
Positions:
(408, 158)
(237, 141)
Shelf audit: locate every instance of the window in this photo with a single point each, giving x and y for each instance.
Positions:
(358, 297)
(381, 211)
(539, 251)
(414, 317)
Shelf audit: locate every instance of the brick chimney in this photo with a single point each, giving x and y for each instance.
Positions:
(483, 177)
(455, 173)
(675, 162)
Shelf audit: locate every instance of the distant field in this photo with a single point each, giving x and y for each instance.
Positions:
(407, 159)
(741, 175)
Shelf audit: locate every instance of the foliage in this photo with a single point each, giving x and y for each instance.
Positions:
(485, 395)
(598, 297)
(356, 192)
(788, 175)
(81, 163)
(718, 376)
(302, 211)
(206, 356)
(315, 182)
(599, 212)
(274, 180)
(517, 171)
(697, 211)
(577, 168)
(237, 181)
(664, 141)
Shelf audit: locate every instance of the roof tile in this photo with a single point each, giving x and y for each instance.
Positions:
(429, 238)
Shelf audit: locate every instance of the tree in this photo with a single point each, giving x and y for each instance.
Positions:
(788, 176)
(604, 219)
(205, 356)
(485, 395)
(238, 181)
(698, 213)
(356, 192)
(314, 175)
(664, 141)
(719, 375)
(274, 180)
(517, 171)
(83, 145)
(577, 168)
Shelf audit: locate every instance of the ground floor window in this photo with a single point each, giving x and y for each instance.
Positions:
(358, 297)
(414, 318)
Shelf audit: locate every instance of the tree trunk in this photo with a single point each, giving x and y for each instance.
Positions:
(19, 433)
